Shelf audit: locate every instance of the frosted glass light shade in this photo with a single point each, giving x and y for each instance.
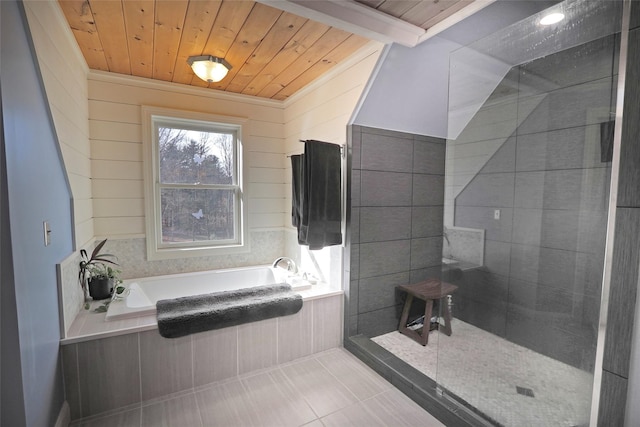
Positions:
(209, 68)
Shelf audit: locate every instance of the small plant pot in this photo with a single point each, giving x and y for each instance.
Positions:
(100, 288)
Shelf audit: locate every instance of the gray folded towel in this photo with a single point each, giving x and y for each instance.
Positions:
(187, 315)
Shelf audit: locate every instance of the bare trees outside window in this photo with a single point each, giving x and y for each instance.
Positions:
(198, 184)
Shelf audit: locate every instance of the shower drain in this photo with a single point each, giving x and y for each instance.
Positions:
(525, 391)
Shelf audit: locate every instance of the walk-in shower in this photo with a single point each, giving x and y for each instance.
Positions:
(516, 201)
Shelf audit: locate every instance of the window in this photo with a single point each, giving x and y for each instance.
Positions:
(193, 168)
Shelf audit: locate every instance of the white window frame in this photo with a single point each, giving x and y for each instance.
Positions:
(156, 249)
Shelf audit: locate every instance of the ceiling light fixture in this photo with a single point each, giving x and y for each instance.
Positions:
(552, 18)
(209, 68)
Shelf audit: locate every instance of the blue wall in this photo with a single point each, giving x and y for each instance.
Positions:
(37, 191)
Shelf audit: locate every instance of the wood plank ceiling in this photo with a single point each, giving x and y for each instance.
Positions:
(273, 53)
(421, 13)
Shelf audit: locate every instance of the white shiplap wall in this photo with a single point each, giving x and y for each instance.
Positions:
(322, 112)
(64, 73)
(116, 148)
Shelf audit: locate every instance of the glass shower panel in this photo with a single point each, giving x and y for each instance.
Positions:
(526, 193)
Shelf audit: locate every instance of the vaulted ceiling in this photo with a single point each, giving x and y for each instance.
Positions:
(273, 53)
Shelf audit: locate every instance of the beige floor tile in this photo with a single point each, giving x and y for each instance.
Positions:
(396, 409)
(275, 401)
(324, 393)
(353, 416)
(225, 405)
(361, 380)
(180, 411)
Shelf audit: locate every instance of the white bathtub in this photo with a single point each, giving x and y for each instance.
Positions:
(142, 294)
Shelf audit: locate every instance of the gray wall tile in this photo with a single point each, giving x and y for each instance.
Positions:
(393, 208)
(551, 228)
(613, 396)
(385, 132)
(503, 160)
(356, 145)
(423, 274)
(354, 226)
(495, 190)
(385, 189)
(386, 153)
(327, 323)
(384, 223)
(355, 188)
(494, 121)
(426, 221)
(428, 157)
(354, 263)
(574, 189)
(215, 355)
(483, 218)
(261, 335)
(426, 138)
(353, 299)
(592, 231)
(378, 322)
(483, 286)
(629, 181)
(295, 334)
(573, 148)
(118, 373)
(529, 190)
(428, 190)
(579, 105)
(165, 364)
(497, 257)
(379, 292)
(377, 259)
(622, 295)
(426, 252)
(635, 15)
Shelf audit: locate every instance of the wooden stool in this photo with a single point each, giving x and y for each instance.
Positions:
(429, 290)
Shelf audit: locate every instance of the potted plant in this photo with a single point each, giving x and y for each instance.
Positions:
(95, 272)
(102, 280)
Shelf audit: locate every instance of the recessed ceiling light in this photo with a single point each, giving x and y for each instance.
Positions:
(552, 18)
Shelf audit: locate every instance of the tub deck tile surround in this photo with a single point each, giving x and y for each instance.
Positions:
(89, 325)
(134, 364)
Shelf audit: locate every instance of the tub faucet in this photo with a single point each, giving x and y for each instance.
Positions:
(290, 264)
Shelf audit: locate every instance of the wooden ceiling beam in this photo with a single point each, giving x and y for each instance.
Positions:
(354, 17)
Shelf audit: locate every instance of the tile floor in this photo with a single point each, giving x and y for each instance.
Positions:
(486, 371)
(332, 388)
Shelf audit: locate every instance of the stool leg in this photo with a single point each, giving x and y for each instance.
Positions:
(446, 312)
(405, 312)
(426, 326)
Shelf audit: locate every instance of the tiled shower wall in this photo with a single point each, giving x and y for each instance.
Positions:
(549, 181)
(397, 194)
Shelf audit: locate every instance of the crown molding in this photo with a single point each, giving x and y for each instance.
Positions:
(123, 79)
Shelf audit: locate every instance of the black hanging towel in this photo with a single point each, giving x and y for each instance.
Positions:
(316, 199)
(296, 189)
